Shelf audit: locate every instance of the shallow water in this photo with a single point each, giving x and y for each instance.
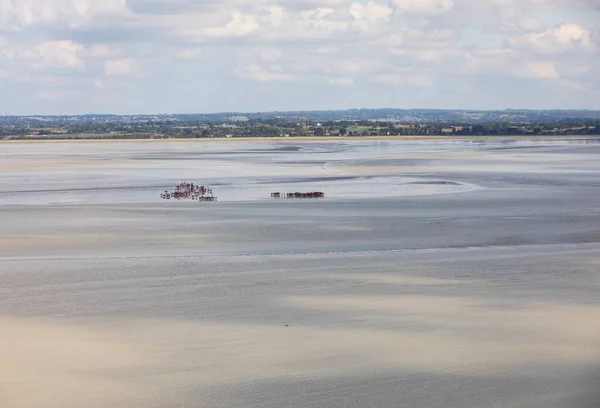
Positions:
(137, 172)
(433, 274)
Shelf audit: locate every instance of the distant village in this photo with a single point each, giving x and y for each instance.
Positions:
(353, 123)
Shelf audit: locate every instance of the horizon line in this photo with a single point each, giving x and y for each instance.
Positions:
(301, 111)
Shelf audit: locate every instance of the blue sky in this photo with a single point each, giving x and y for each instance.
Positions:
(164, 56)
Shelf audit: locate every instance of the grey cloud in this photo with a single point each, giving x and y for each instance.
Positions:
(591, 4)
(115, 35)
(161, 7)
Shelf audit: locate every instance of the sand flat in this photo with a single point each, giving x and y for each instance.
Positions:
(433, 274)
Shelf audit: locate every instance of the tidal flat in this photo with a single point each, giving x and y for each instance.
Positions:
(434, 273)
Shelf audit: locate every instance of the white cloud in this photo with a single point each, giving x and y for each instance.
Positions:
(426, 55)
(240, 25)
(537, 70)
(414, 80)
(307, 4)
(263, 74)
(489, 60)
(318, 13)
(271, 54)
(429, 55)
(325, 64)
(19, 14)
(44, 80)
(567, 68)
(189, 54)
(124, 66)
(98, 83)
(58, 55)
(55, 95)
(571, 86)
(344, 81)
(420, 80)
(357, 66)
(371, 12)
(390, 79)
(419, 38)
(6, 50)
(276, 15)
(325, 50)
(423, 6)
(102, 51)
(571, 35)
(565, 37)
(530, 24)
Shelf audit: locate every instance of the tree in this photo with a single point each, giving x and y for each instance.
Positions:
(319, 131)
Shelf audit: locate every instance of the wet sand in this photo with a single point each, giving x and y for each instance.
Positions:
(472, 297)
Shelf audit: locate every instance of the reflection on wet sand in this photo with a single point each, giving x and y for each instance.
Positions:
(70, 364)
(55, 364)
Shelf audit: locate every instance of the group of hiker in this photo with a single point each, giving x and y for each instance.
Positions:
(313, 194)
(190, 191)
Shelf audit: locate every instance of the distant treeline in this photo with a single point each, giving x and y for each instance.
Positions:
(285, 127)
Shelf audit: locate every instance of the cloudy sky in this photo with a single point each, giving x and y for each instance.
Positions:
(163, 56)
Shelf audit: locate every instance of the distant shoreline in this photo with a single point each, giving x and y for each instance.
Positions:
(299, 138)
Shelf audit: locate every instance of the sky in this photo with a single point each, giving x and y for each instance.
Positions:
(189, 56)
